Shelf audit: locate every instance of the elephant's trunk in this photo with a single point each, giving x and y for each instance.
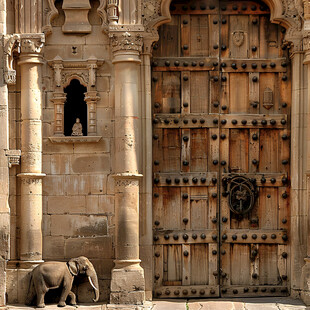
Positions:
(93, 280)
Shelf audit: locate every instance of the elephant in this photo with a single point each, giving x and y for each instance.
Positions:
(51, 275)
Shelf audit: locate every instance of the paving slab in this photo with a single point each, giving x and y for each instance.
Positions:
(215, 305)
(169, 305)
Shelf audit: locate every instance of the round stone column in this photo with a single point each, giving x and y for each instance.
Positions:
(31, 147)
(127, 284)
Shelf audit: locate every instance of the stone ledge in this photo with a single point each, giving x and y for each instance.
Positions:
(94, 306)
(80, 139)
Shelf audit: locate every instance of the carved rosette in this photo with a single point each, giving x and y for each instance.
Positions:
(126, 41)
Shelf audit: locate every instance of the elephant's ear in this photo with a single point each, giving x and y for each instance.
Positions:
(73, 268)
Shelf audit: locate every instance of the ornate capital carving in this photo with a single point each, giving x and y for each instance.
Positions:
(11, 44)
(32, 43)
(126, 41)
(13, 157)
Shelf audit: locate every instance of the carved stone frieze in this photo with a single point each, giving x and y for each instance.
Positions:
(32, 43)
(151, 12)
(293, 10)
(126, 41)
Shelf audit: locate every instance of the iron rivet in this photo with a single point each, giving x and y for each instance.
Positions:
(193, 291)
(255, 104)
(254, 78)
(215, 64)
(202, 121)
(223, 162)
(224, 237)
(234, 7)
(264, 122)
(254, 236)
(255, 290)
(223, 252)
(254, 162)
(156, 162)
(185, 253)
(264, 237)
(156, 223)
(234, 66)
(224, 219)
(185, 180)
(201, 63)
(214, 180)
(223, 47)
(214, 237)
(212, 291)
(184, 7)
(177, 292)
(234, 121)
(214, 252)
(272, 290)
(283, 121)
(284, 195)
(234, 237)
(166, 237)
(166, 121)
(185, 236)
(155, 137)
(284, 162)
(273, 121)
(215, 273)
(157, 254)
(155, 79)
(216, 104)
(185, 163)
(235, 291)
(185, 138)
(211, 7)
(224, 290)
(263, 289)
(214, 21)
(284, 221)
(244, 236)
(168, 181)
(176, 63)
(156, 105)
(243, 8)
(176, 181)
(185, 196)
(157, 276)
(284, 105)
(185, 64)
(283, 30)
(284, 78)
(203, 180)
(244, 122)
(194, 120)
(203, 236)
(284, 290)
(285, 237)
(272, 65)
(224, 22)
(154, 63)
(215, 46)
(185, 292)
(167, 292)
(283, 64)
(254, 49)
(263, 180)
(245, 289)
(284, 277)
(253, 7)
(156, 180)
(167, 63)
(194, 236)
(215, 121)
(284, 180)
(203, 6)
(284, 137)
(185, 22)
(215, 79)
(284, 255)
(223, 121)
(214, 195)
(254, 122)
(264, 65)
(202, 292)
(195, 180)
(194, 63)
(223, 64)
(214, 220)
(175, 237)
(254, 275)
(176, 121)
(254, 21)
(243, 65)
(185, 104)
(273, 236)
(185, 78)
(155, 120)
(156, 238)
(156, 195)
(224, 78)
(255, 137)
(273, 180)
(214, 137)
(223, 8)
(185, 220)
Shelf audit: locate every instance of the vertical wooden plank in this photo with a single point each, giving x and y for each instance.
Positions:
(199, 35)
(268, 208)
(213, 263)
(171, 215)
(158, 207)
(157, 91)
(253, 92)
(240, 264)
(199, 211)
(269, 151)
(199, 92)
(186, 264)
(283, 214)
(214, 29)
(213, 149)
(185, 35)
(214, 104)
(254, 272)
(239, 100)
(263, 29)
(186, 207)
(199, 264)
(238, 150)
(284, 154)
(186, 151)
(254, 36)
(174, 261)
(282, 264)
(171, 92)
(268, 261)
(253, 150)
(213, 207)
(186, 92)
(239, 33)
(199, 150)
(171, 150)
(224, 37)
(158, 265)
(225, 264)
(224, 93)
(157, 150)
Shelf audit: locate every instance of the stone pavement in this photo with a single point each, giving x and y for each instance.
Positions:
(280, 303)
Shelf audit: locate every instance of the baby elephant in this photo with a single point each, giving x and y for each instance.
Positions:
(51, 275)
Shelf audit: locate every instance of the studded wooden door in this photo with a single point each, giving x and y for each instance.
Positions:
(221, 100)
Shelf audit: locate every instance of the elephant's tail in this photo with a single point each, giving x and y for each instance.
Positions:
(31, 292)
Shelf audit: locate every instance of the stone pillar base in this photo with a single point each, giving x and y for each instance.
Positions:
(305, 284)
(127, 285)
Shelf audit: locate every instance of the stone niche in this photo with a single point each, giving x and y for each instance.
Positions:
(76, 16)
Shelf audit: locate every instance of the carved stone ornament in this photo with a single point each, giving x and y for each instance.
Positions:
(238, 37)
(32, 43)
(151, 12)
(13, 157)
(293, 10)
(50, 12)
(83, 70)
(11, 44)
(126, 41)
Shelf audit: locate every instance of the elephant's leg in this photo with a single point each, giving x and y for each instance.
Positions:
(41, 290)
(73, 298)
(64, 294)
(40, 299)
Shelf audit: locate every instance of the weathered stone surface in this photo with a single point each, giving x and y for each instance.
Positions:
(90, 163)
(66, 204)
(53, 248)
(78, 225)
(170, 305)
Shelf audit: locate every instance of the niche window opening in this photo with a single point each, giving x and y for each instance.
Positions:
(75, 107)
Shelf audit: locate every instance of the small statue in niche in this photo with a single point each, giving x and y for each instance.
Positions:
(77, 128)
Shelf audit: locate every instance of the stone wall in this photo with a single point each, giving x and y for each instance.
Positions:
(78, 192)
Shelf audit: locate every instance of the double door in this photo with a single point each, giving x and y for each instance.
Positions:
(221, 96)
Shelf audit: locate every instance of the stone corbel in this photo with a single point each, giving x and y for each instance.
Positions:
(50, 13)
(11, 44)
(13, 157)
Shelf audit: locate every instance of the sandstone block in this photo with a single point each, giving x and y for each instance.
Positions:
(103, 84)
(96, 247)
(50, 148)
(103, 146)
(60, 164)
(78, 225)
(46, 229)
(106, 204)
(131, 298)
(53, 185)
(104, 99)
(23, 284)
(46, 164)
(66, 204)
(85, 292)
(59, 38)
(91, 163)
(92, 204)
(98, 51)
(12, 286)
(53, 248)
(105, 128)
(103, 267)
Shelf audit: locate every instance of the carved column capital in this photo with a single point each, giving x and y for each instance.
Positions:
(126, 41)
(32, 43)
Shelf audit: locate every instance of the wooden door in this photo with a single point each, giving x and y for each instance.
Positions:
(221, 101)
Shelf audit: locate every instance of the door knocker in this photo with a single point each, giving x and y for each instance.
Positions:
(242, 194)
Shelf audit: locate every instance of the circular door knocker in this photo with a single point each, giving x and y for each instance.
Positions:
(242, 194)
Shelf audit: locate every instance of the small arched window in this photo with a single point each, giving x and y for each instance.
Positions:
(75, 107)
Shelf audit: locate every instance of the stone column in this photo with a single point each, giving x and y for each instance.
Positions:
(31, 175)
(91, 99)
(4, 168)
(127, 284)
